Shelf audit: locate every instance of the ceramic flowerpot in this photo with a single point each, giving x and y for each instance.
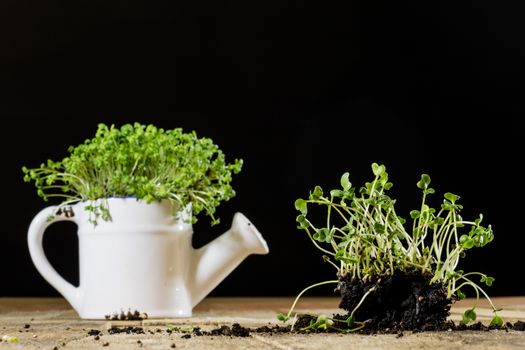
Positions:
(142, 259)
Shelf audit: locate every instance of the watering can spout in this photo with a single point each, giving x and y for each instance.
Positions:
(213, 262)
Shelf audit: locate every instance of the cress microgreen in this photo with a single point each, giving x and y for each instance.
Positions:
(145, 162)
(363, 236)
(10, 339)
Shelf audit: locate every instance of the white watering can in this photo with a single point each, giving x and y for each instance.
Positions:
(142, 259)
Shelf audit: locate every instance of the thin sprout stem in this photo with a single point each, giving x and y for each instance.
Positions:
(482, 291)
(333, 264)
(304, 290)
(362, 300)
(317, 245)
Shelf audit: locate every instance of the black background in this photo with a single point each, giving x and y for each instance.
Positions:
(302, 91)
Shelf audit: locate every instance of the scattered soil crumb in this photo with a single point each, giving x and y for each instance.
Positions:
(240, 331)
(303, 321)
(236, 330)
(127, 316)
(93, 332)
(127, 330)
(518, 326)
(275, 329)
(186, 336)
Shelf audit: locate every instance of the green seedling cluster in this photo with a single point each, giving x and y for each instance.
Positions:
(363, 236)
(145, 162)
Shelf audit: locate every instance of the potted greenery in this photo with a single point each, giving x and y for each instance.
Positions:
(144, 162)
(392, 274)
(134, 193)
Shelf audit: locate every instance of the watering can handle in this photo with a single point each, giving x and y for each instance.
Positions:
(41, 221)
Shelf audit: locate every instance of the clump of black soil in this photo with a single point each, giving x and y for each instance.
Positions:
(478, 326)
(403, 301)
(518, 326)
(93, 332)
(303, 321)
(275, 329)
(236, 330)
(127, 316)
(126, 330)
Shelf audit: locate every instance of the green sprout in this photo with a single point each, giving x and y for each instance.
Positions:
(9, 339)
(146, 162)
(363, 236)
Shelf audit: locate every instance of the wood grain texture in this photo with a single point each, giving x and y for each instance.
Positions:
(43, 323)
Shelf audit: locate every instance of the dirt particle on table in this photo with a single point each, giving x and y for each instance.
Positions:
(126, 330)
(518, 326)
(478, 326)
(223, 330)
(240, 331)
(27, 325)
(127, 316)
(236, 330)
(105, 344)
(173, 345)
(186, 336)
(303, 321)
(93, 332)
(97, 337)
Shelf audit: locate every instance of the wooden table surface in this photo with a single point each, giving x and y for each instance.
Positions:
(52, 323)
